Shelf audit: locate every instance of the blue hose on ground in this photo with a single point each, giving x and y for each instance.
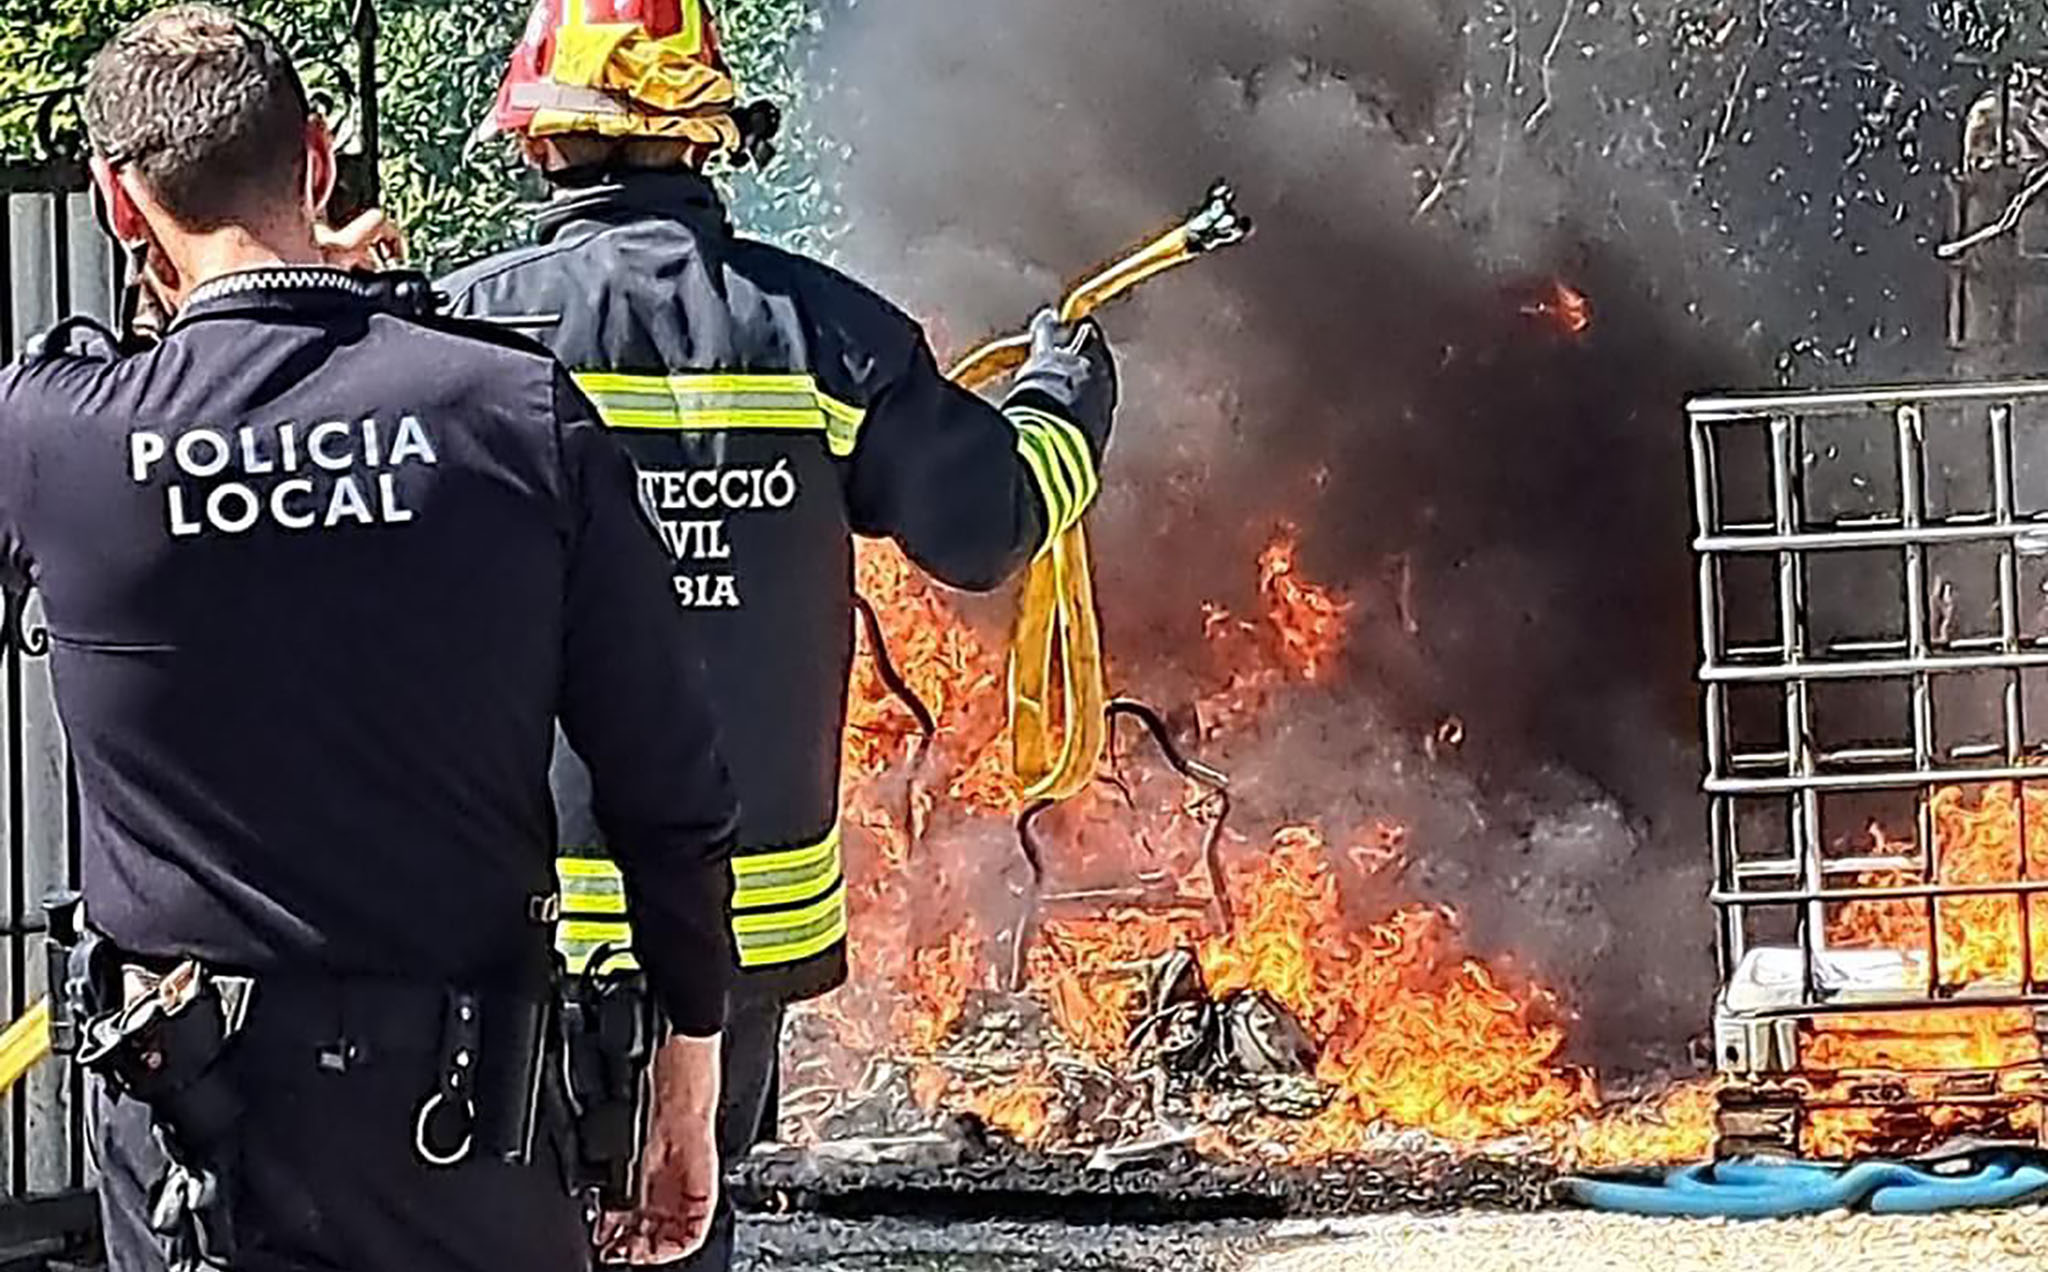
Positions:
(1769, 1188)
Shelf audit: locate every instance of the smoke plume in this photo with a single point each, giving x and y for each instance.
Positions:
(1744, 192)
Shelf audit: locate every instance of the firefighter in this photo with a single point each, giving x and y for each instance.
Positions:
(775, 408)
(319, 579)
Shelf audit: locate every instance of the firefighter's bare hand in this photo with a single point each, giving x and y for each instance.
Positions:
(370, 242)
(678, 1199)
(680, 1167)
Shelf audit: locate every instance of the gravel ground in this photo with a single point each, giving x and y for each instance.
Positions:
(1579, 1241)
(1552, 1241)
(897, 1245)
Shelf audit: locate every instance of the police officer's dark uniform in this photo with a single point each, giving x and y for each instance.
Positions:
(318, 581)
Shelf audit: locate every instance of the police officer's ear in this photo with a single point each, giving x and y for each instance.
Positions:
(320, 168)
(125, 220)
(121, 209)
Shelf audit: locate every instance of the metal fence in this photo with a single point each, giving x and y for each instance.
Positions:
(57, 262)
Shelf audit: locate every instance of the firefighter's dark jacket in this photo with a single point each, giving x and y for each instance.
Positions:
(318, 582)
(777, 408)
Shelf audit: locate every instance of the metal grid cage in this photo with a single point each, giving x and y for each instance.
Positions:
(1873, 602)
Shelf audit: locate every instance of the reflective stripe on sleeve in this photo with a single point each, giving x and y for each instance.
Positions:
(791, 936)
(1057, 453)
(789, 904)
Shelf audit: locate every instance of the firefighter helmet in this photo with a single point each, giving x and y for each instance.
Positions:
(621, 68)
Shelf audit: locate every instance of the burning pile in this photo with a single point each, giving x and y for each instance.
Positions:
(1307, 1011)
(1398, 365)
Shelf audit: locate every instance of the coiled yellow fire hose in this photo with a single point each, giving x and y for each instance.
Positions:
(1057, 741)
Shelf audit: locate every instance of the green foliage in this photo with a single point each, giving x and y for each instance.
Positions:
(44, 49)
(769, 43)
(438, 69)
(439, 62)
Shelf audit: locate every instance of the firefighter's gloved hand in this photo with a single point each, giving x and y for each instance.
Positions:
(1073, 367)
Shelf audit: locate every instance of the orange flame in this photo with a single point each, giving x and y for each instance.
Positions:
(1564, 308)
(1307, 617)
(1023, 1109)
(1978, 834)
(1987, 834)
(1412, 1029)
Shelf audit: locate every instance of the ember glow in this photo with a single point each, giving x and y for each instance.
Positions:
(1566, 310)
(1411, 1031)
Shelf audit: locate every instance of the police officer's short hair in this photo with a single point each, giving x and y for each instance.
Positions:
(206, 107)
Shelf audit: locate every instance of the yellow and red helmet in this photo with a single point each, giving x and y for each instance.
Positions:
(620, 68)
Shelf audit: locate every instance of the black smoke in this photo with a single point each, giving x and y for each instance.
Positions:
(1747, 192)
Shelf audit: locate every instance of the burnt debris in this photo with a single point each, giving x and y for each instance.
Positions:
(1221, 1058)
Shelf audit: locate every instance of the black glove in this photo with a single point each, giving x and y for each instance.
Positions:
(1073, 374)
(406, 293)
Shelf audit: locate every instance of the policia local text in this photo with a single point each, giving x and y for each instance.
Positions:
(359, 456)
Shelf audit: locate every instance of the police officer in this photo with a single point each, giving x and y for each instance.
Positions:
(319, 580)
(776, 408)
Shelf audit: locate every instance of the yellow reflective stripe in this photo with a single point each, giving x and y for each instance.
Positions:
(708, 403)
(590, 885)
(576, 942)
(593, 891)
(694, 382)
(1062, 472)
(790, 936)
(594, 934)
(1069, 442)
(795, 936)
(1078, 470)
(784, 878)
(1057, 453)
(1075, 444)
(689, 41)
(712, 421)
(1051, 478)
(784, 920)
(1041, 474)
(842, 426)
(749, 864)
